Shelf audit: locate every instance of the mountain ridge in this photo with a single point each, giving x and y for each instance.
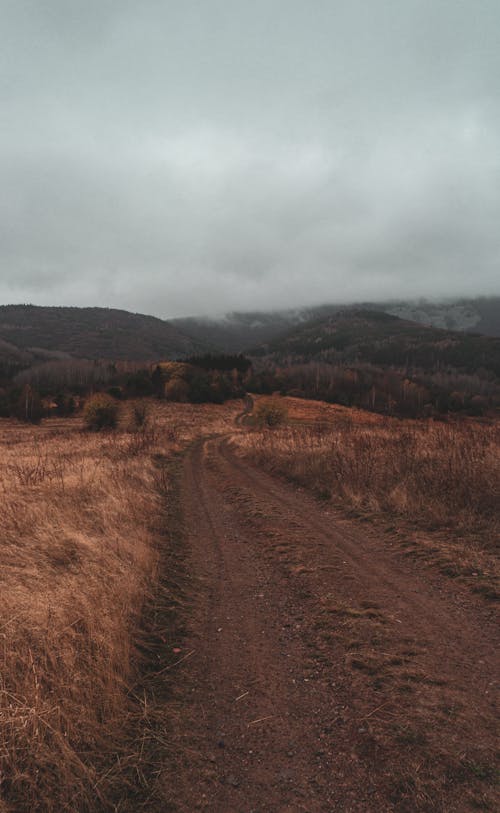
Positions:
(236, 331)
(376, 337)
(33, 333)
(93, 333)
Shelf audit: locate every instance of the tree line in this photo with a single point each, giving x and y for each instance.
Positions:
(61, 387)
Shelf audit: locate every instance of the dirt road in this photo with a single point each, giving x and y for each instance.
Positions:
(325, 671)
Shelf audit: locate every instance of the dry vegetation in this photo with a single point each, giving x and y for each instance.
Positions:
(442, 474)
(82, 542)
(82, 522)
(437, 476)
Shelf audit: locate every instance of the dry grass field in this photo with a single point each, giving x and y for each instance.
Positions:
(443, 474)
(91, 617)
(304, 411)
(82, 522)
(441, 479)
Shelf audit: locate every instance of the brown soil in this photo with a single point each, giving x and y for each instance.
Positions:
(322, 670)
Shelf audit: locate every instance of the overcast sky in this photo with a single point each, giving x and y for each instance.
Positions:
(190, 157)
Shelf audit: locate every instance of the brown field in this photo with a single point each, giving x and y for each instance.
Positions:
(443, 474)
(303, 411)
(82, 520)
(317, 665)
(437, 481)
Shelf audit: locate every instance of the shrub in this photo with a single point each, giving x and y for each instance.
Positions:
(115, 392)
(139, 416)
(270, 413)
(177, 389)
(65, 404)
(101, 412)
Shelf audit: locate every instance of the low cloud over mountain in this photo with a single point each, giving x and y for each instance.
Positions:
(200, 157)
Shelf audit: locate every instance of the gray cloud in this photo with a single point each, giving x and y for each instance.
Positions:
(178, 158)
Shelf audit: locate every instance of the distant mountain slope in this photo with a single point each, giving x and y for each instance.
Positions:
(30, 333)
(237, 331)
(10, 354)
(357, 335)
(480, 315)
(94, 333)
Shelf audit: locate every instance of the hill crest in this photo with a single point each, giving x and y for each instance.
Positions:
(93, 333)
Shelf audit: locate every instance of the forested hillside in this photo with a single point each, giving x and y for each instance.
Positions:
(237, 331)
(378, 361)
(94, 333)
